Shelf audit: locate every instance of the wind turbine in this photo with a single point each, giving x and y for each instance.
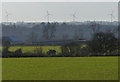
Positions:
(48, 14)
(74, 16)
(7, 15)
(111, 16)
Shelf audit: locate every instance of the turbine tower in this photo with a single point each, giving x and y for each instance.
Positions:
(74, 16)
(7, 15)
(48, 14)
(111, 16)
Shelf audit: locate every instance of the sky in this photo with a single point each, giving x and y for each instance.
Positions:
(60, 11)
(60, 0)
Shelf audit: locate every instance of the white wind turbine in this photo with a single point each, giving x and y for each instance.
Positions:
(48, 16)
(7, 15)
(74, 16)
(111, 16)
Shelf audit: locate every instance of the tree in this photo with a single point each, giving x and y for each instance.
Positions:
(119, 31)
(76, 37)
(81, 33)
(49, 31)
(32, 37)
(71, 49)
(65, 37)
(52, 30)
(95, 27)
(103, 42)
(5, 45)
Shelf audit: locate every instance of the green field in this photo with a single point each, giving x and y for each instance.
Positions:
(60, 68)
(30, 49)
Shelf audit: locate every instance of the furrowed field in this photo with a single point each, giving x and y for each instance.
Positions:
(60, 68)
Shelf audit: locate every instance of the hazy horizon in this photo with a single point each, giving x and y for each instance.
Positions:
(60, 11)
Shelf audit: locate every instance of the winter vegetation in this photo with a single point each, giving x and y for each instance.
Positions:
(75, 39)
(41, 31)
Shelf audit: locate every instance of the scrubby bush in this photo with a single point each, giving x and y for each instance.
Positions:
(51, 53)
(38, 51)
(84, 52)
(5, 45)
(74, 50)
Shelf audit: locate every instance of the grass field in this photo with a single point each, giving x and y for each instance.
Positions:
(60, 68)
(31, 49)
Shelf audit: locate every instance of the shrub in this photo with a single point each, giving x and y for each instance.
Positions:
(71, 49)
(38, 51)
(103, 43)
(5, 48)
(84, 52)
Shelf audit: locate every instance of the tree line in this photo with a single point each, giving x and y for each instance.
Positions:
(101, 44)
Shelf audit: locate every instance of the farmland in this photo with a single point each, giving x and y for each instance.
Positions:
(31, 49)
(60, 68)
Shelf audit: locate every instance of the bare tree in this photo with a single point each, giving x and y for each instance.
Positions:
(108, 30)
(52, 30)
(80, 32)
(65, 37)
(95, 27)
(76, 35)
(45, 32)
(119, 31)
(32, 37)
(49, 31)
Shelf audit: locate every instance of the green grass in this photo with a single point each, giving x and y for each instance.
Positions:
(31, 49)
(60, 68)
(0, 69)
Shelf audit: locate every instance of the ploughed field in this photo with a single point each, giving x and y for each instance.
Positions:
(60, 68)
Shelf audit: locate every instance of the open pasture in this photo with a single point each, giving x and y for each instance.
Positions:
(60, 68)
(30, 49)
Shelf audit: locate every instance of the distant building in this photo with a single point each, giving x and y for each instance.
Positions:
(59, 42)
(12, 40)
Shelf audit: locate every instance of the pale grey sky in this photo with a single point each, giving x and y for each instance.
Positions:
(60, 11)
